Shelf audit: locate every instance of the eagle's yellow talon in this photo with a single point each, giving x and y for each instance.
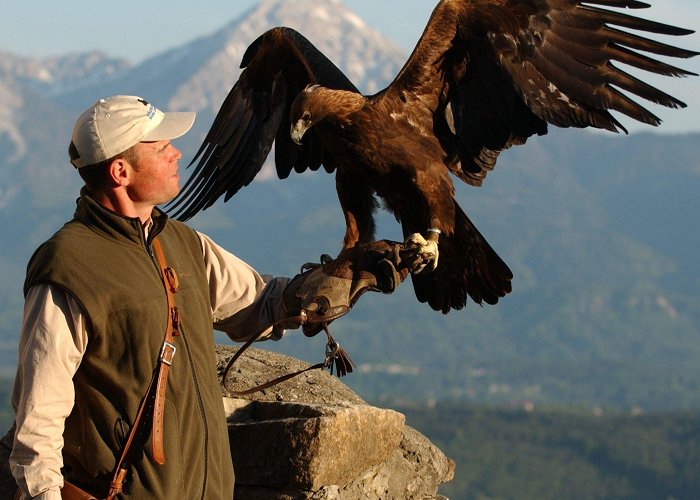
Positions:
(427, 250)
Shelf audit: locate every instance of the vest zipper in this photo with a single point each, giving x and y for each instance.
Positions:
(154, 261)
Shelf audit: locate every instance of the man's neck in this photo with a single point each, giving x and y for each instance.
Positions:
(118, 202)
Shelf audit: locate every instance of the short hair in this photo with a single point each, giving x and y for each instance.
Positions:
(96, 176)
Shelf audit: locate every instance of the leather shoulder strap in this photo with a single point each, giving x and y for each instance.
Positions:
(167, 352)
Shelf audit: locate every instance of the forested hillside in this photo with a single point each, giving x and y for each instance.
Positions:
(555, 454)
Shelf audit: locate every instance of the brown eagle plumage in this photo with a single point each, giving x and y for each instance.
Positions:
(485, 75)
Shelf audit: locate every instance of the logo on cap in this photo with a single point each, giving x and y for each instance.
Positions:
(151, 111)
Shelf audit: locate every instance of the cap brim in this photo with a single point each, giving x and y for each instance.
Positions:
(173, 125)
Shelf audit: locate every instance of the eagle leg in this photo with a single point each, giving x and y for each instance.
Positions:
(421, 252)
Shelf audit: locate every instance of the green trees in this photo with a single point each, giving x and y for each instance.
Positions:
(555, 454)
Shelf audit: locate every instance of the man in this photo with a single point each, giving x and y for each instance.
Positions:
(95, 315)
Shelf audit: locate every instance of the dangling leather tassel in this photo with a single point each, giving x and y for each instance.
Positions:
(343, 363)
(336, 356)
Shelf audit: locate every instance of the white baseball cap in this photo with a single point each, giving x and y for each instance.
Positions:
(113, 125)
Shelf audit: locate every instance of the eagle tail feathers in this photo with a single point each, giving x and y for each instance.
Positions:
(485, 275)
(468, 268)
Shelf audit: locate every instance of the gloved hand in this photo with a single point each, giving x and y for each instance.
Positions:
(326, 291)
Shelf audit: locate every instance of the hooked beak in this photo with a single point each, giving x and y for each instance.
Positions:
(297, 132)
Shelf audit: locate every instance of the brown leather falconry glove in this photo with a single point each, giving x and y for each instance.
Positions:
(326, 291)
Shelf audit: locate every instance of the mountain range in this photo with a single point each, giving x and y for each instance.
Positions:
(601, 231)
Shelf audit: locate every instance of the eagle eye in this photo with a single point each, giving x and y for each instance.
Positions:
(306, 116)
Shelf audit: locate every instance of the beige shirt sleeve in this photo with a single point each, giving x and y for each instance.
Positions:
(244, 303)
(53, 340)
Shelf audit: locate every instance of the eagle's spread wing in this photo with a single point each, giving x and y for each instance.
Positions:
(278, 66)
(495, 72)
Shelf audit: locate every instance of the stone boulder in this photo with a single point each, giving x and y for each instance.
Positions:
(309, 446)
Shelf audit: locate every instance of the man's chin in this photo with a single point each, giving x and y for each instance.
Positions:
(167, 199)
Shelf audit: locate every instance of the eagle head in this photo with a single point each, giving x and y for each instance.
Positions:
(302, 113)
(316, 103)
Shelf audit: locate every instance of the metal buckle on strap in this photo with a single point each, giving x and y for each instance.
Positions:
(167, 353)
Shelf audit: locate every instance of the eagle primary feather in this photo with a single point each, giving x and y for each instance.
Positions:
(484, 76)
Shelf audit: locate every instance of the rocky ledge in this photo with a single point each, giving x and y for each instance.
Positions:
(311, 437)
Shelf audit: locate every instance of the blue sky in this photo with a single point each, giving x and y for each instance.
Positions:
(137, 29)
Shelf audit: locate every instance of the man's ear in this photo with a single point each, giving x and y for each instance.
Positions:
(119, 171)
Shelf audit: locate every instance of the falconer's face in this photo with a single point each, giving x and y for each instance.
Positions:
(154, 178)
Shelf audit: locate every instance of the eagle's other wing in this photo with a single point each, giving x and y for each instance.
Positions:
(278, 66)
(495, 72)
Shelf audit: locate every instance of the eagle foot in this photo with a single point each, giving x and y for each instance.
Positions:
(420, 253)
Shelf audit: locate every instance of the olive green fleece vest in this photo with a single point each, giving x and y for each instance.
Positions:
(103, 261)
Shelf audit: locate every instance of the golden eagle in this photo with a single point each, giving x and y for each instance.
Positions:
(485, 75)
